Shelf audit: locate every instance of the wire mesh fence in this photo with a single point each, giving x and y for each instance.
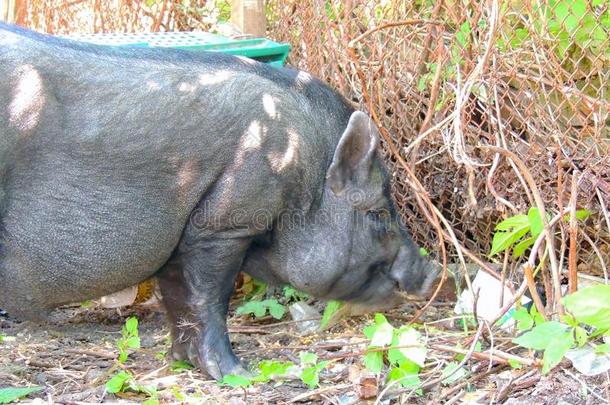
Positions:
(487, 108)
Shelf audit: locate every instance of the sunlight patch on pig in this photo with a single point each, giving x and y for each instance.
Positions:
(269, 104)
(186, 87)
(153, 85)
(187, 175)
(28, 100)
(278, 161)
(303, 78)
(206, 79)
(250, 141)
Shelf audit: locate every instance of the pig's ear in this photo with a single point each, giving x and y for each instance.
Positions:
(354, 154)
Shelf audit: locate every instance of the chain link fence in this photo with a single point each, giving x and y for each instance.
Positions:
(484, 105)
(486, 108)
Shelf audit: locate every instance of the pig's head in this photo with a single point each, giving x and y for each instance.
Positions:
(351, 245)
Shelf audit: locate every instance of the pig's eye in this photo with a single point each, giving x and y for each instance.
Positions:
(378, 214)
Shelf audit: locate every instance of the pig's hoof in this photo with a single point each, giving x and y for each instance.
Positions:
(218, 365)
(185, 351)
(217, 373)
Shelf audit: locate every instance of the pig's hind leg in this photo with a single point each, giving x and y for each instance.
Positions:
(196, 285)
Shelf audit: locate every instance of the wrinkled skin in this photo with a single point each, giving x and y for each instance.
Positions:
(121, 164)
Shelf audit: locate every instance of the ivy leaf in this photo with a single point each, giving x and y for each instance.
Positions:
(235, 381)
(407, 374)
(524, 320)
(311, 377)
(373, 361)
(557, 347)
(118, 382)
(383, 335)
(276, 310)
(272, 368)
(539, 337)
(133, 342)
(503, 240)
(10, 394)
(331, 308)
(602, 348)
(590, 306)
(131, 326)
(417, 351)
(453, 373)
(181, 365)
(581, 336)
(535, 221)
(514, 363)
(308, 358)
(516, 221)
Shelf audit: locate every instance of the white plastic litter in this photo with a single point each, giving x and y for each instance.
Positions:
(490, 293)
(300, 311)
(588, 362)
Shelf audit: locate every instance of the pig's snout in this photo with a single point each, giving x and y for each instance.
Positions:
(412, 272)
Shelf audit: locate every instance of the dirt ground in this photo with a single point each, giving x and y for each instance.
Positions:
(74, 355)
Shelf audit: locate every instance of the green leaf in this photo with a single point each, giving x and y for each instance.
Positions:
(581, 336)
(556, 349)
(524, 320)
(538, 319)
(602, 348)
(562, 10)
(581, 215)
(273, 368)
(322, 365)
(10, 394)
(331, 308)
(463, 35)
(293, 294)
(373, 361)
(407, 374)
(131, 325)
(236, 381)
(539, 337)
(595, 3)
(590, 306)
(452, 373)
(311, 377)
(516, 221)
(514, 363)
(118, 382)
(579, 8)
(522, 246)
(383, 334)
(308, 358)
(133, 342)
(503, 240)
(256, 308)
(535, 221)
(417, 351)
(181, 365)
(276, 310)
(151, 401)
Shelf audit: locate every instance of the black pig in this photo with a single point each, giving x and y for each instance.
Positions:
(118, 164)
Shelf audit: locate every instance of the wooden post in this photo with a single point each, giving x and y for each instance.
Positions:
(8, 11)
(249, 16)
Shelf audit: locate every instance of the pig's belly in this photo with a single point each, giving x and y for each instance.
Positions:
(58, 260)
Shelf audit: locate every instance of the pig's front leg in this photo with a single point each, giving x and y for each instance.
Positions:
(197, 284)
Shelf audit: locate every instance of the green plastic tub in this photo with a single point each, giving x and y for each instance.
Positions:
(260, 49)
